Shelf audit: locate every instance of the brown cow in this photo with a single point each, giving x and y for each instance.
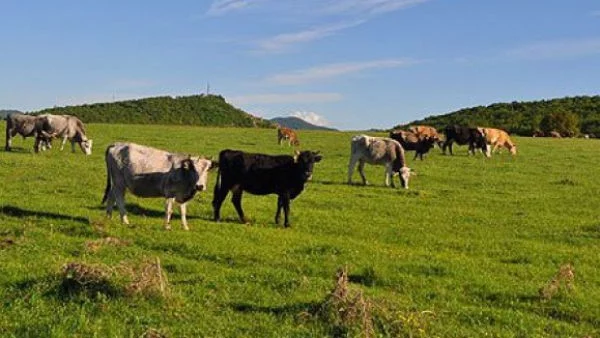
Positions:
(289, 134)
(555, 134)
(410, 141)
(498, 138)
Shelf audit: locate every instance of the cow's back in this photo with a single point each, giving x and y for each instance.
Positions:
(376, 150)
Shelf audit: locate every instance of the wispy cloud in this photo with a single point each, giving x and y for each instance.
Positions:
(277, 98)
(311, 117)
(595, 13)
(560, 49)
(369, 6)
(283, 42)
(335, 70)
(220, 7)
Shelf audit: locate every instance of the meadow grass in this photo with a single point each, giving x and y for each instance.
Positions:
(463, 252)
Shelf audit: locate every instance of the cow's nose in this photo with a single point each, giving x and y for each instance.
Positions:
(200, 187)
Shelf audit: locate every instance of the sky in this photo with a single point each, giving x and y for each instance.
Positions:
(347, 64)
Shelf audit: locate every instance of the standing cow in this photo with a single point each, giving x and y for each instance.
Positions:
(150, 172)
(261, 174)
(289, 134)
(410, 141)
(26, 125)
(65, 127)
(462, 135)
(380, 151)
(497, 138)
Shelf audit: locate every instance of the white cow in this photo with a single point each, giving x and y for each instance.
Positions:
(150, 172)
(380, 151)
(65, 127)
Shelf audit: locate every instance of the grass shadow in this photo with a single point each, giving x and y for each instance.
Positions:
(285, 310)
(13, 211)
(138, 210)
(19, 150)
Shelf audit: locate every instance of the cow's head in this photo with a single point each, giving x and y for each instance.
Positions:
(513, 150)
(86, 146)
(405, 173)
(306, 161)
(202, 166)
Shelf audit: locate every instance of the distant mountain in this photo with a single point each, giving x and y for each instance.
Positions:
(5, 112)
(297, 123)
(199, 110)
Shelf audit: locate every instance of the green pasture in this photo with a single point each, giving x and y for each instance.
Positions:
(462, 253)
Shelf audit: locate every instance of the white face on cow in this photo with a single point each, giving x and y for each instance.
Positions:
(86, 146)
(404, 173)
(202, 165)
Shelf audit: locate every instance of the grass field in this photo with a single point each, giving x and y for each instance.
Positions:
(462, 253)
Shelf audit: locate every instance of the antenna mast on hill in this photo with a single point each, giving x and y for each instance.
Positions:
(207, 88)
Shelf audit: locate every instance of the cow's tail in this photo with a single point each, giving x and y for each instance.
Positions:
(108, 181)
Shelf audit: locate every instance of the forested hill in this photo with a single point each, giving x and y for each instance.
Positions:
(297, 123)
(202, 110)
(573, 114)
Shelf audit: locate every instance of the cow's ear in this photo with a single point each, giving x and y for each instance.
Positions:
(213, 165)
(296, 154)
(187, 164)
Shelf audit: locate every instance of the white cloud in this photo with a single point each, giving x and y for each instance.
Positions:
(335, 70)
(369, 6)
(284, 98)
(557, 49)
(311, 117)
(283, 42)
(219, 7)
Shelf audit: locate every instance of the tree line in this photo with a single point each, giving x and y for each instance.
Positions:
(201, 110)
(570, 116)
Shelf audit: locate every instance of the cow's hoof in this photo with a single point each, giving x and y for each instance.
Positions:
(186, 228)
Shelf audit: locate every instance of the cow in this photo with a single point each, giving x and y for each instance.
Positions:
(411, 141)
(262, 174)
(379, 151)
(289, 134)
(26, 125)
(427, 131)
(555, 134)
(465, 135)
(65, 127)
(150, 172)
(497, 138)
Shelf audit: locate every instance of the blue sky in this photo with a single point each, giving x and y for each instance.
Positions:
(351, 64)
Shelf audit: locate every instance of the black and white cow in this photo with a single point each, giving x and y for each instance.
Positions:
(462, 135)
(380, 151)
(150, 172)
(411, 141)
(25, 125)
(261, 174)
(66, 127)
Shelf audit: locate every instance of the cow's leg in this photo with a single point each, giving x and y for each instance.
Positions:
(285, 203)
(389, 175)
(236, 199)
(62, 144)
(168, 212)
(36, 144)
(361, 171)
(351, 166)
(73, 146)
(183, 209)
(279, 207)
(119, 196)
(219, 195)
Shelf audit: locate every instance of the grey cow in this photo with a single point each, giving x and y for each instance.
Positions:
(150, 172)
(380, 151)
(25, 125)
(66, 127)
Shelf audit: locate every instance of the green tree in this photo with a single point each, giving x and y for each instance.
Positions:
(566, 123)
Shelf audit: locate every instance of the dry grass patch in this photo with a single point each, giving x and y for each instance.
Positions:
(565, 277)
(95, 245)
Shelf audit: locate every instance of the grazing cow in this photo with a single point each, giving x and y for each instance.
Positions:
(537, 133)
(555, 134)
(150, 172)
(497, 138)
(379, 151)
(465, 135)
(66, 127)
(261, 174)
(26, 125)
(289, 134)
(410, 141)
(427, 131)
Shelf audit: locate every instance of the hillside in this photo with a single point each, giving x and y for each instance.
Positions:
(297, 123)
(200, 110)
(522, 118)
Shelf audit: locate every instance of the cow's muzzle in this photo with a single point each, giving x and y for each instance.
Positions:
(200, 187)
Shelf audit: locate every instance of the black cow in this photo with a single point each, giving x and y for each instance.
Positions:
(261, 174)
(410, 141)
(462, 135)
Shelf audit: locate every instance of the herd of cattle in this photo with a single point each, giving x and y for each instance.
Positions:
(150, 172)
